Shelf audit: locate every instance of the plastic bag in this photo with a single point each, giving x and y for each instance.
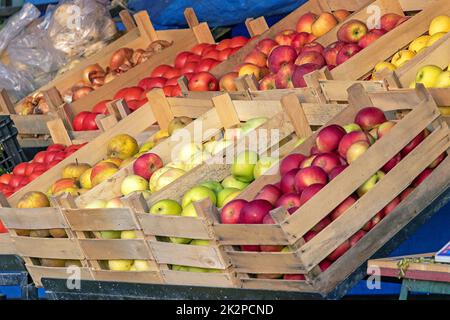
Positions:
(16, 83)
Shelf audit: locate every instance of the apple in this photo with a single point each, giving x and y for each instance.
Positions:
(114, 203)
(439, 24)
(309, 176)
(166, 207)
(336, 171)
(342, 207)
(267, 83)
(369, 183)
(265, 166)
(230, 213)
(391, 206)
(331, 51)
(214, 186)
(78, 120)
(256, 58)
(120, 265)
(149, 83)
(312, 57)
(346, 52)
(232, 182)
(305, 22)
(419, 43)
(252, 124)
(280, 55)
(290, 162)
(421, 177)
(243, 166)
(406, 193)
(164, 177)
(307, 162)
(352, 31)
(309, 192)
(198, 193)
(75, 170)
(64, 185)
(101, 172)
(356, 237)
(254, 211)
(341, 14)
(33, 199)
(283, 78)
(285, 37)
(270, 248)
(339, 251)
(443, 80)
(327, 161)
(250, 69)
(287, 183)
(413, 143)
(205, 65)
(288, 200)
(300, 71)
(130, 93)
(58, 146)
(329, 137)
(5, 178)
(299, 40)
(369, 118)
(322, 224)
(227, 83)
(269, 193)
(356, 150)
(402, 57)
(238, 42)
(313, 47)
(226, 195)
(389, 21)
(437, 161)
(160, 70)
(324, 23)
(203, 81)
(133, 183)
(146, 165)
(384, 128)
(266, 45)
(391, 163)
(368, 38)
(428, 75)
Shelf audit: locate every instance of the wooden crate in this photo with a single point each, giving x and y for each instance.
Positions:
(32, 249)
(290, 229)
(6, 244)
(87, 224)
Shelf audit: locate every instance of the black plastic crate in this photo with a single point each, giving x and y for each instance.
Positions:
(11, 154)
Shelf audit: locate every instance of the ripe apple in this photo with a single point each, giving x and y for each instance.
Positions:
(230, 213)
(342, 207)
(265, 166)
(346, 52)
(75, 170)
(428, 75)
(243, 166)
(285, 37)
(309, 176)
(406, 193)
(330, 52)
(352, 31)
(356, 237)
(437, 161)
(443, 80)
(227, 83)
(324, 23)
(300, 40)
(252, 124)
(78, 120)
(368, 38)
(439, 24)
(64, 185)
(203, 81)
(305, 22)
(422, 176)
(268, 82)
(270, 193)
(414, 143)
(356, 150)
(327, 161)
(287, 183)
(33, 199)
(146, 165)
(339, 251)
(266, 45)
(329, 137)
(309, 192)
(289, 200)
(256, 58)
(389, 21)
(322, 224)
(290, 162)
(313, 47)
(250, 69)
(280, 55)
(133, 183)
(300, 71)
(196, 194)
(283, 78)
(308, 161)
(336, 171)
(166, 207)
(120, 265)
(391, 206)
(402, 57)
(312, 57)
(162, 178)
(370, 117)
(392, 163)
(369, 183)
(160, 70)
(205, 65)
(341, 14)
(419, 43)
(254, 211)
(101, 172)
(232, 182)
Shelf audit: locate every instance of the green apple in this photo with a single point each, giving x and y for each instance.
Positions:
(133, 183)
(196, 194)
(110, 234)
(428, 75)
(188, 150)
(189, 211)
(265, 165)
(141, 265)
(252, 124)
(212, 185)
(370, 183)
(443, 80)
(197, 269)
(232, 182)
(179, 240)
(230, 197)
(128, 234)
(223, 195)
(196, 160)
(352, 127)
(243, 166)
(197, 242)
(179, 268)
(166, 207)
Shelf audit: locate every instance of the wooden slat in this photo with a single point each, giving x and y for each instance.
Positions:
(59, 132)
(145, 26)
(32, 219)
(161, 108)
(188, 255)
(48, 248)
(32, 124)
(127, 20)
(295, 111)
(392, 263)
(266, 262)
(117, 249)
(6, 244)
(198, 278)
(226, 111)
(191, 17)
(6, 106)
(116, 219)
(249, 234)
(127, 276)
(38, 272)
(256, 26)
(282, 285)
(173, 226)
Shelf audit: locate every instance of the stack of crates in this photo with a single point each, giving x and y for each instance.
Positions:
(11, 154)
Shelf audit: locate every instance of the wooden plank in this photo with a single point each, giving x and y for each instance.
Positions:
(362, 63)
(392, 263)
(362, 169)
(145, 26)
(173, 226)
(197, 278)
(266, 262)
(116, 219)
(336, 90)
(50, 248)
(256, 26)
(248, 234)
(39, 272)
(378, 197)
(32, 124)
(226, 111)
(191, 17)
(278, 285)
(188, 255)
(161, 108)
(6, 106)
(203, 34)
(32, 219)
(127, 276)
(127, 20)
(116, 249)
(59, 132)
(53, 98)
(6, 245)
(294, 109)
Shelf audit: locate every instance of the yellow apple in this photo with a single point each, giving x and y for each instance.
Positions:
(419, 43)
(147, 146)
(115, 161)
(402, 57)
(439, 24)
(209, 146)
(161, 134)
(187, 150)
(167, 178)
(142, 265)
(435, 38)
(155, 176)
(133, 183)
(114, 203)
(96, 204)
(445, 111)
(384, 65)
(177, 165)
(128, 234)
(120, 265)
(85, 179)
(75, 170)
(122, 146)
(443, 80)
(428, 75)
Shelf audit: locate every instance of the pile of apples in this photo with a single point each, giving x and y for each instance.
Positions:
(26, 172)
(439, 26)
(194, 65)
(302, 176)
(282, 62)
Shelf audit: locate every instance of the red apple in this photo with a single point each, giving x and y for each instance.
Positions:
(406, 193)
(40, 157)
(288, 200)
(327, 161)
(173, 73)
(150, 83)
(392, 163)
(329, 138)
(313, 47)
(290, 162)
(268, 82)
(180, 59)
(422, 176)
(285, 37)
(300, 39)
(437, 161)
(130, 93)
(322, 224)
(283, 78)
(270, 248)
(257, 58)
(312, 57)
(254, 211)
(205, 65)
(270, 193)
(307, 162)
(336, 171)
(101, 107)
(389, 21)
(89, 123)
(346, 52)
(350, 138)
(78, 120)
(300, 71)
(238, 42)
(280, 55)
(21, 168)
(324, 265)
(294, 277)
(199, 48)
(146, 164)
(391, 206)
(5, 178)
(369, 118)
(352, 31)
(330, 52)
(368, 38)
(339, 251)
(250, 248)
(266, 45)
(212, 54)
(305, 22)
(309, 235)
(160, 70)
(413, 143)
(309, 176)
(223, 45)
(356, 237)
(309, 192)
(342, 207)
(287, 183)
(231, 212)
(203, 81)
